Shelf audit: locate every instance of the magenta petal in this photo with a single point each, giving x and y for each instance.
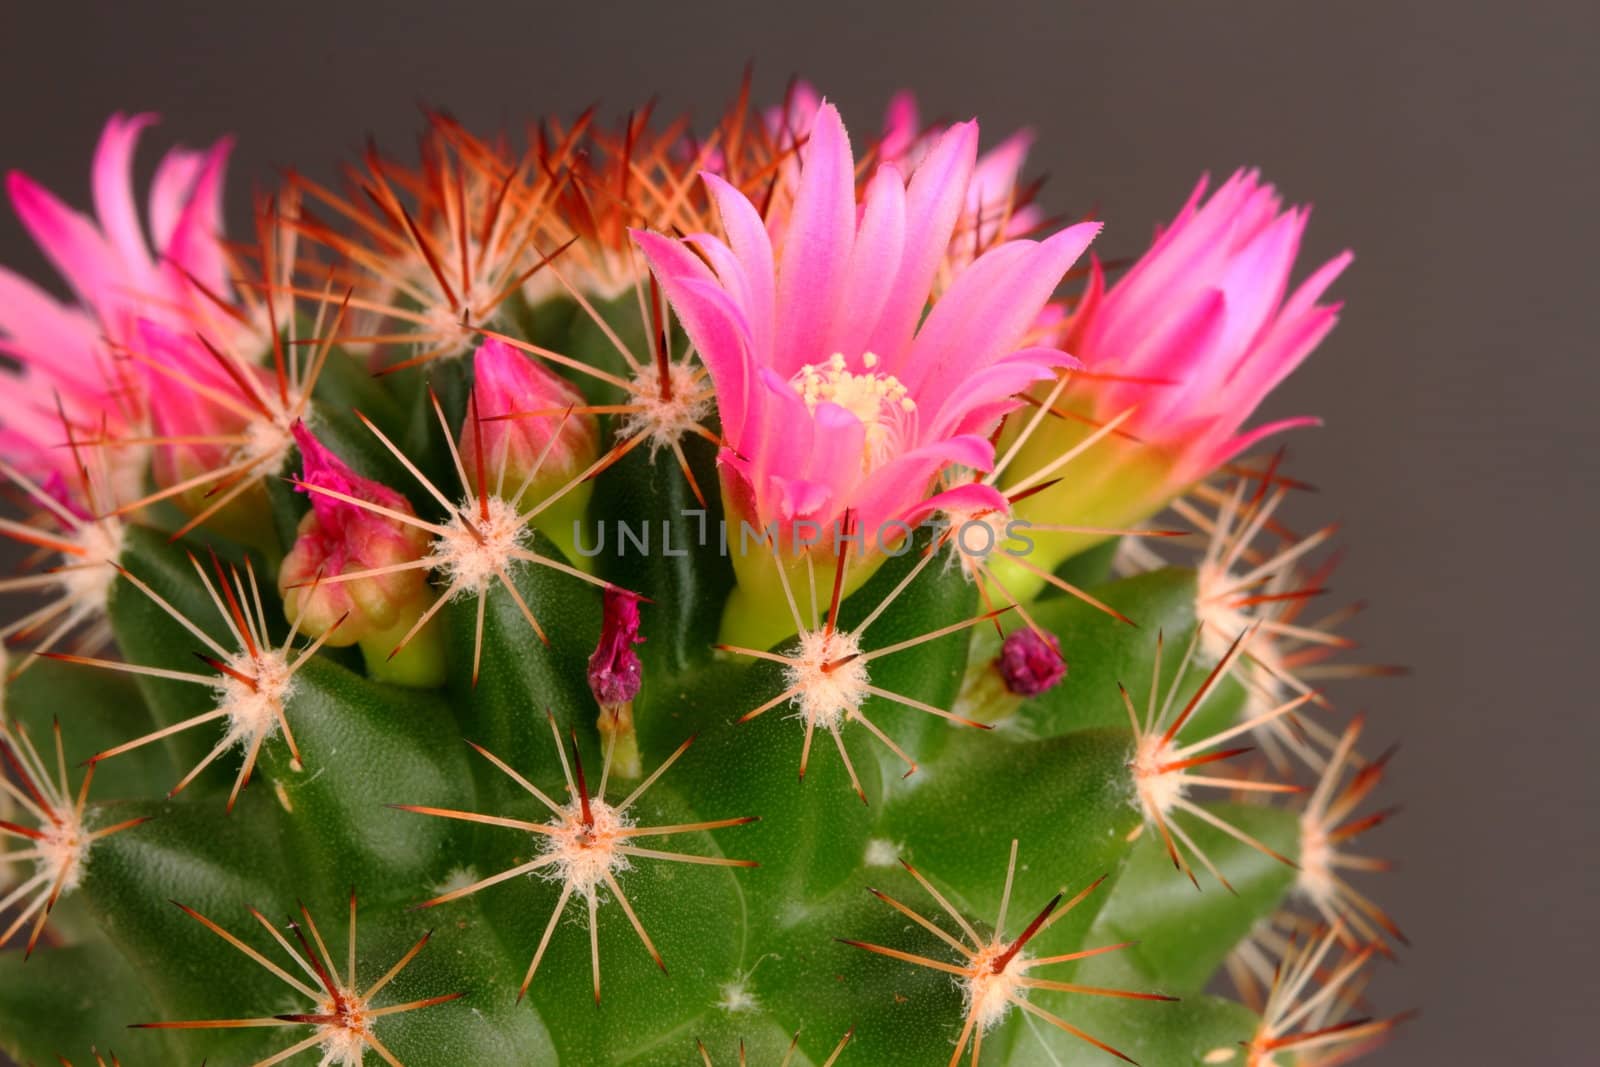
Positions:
(61, 341)
(901, 127)
(1004, 379)
(112, 182)
(989, 309)
(816, 248)
(747, 236)
(712, 324)
(193, 250)
(934, 201)
(967, 497)
(169, 192)
(69, 239)
(874, 262)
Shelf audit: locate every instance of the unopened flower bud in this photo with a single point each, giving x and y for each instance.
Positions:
(1031, 662)
(529, 420)
(337, 537)
(615, 676)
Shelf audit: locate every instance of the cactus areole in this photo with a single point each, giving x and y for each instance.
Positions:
(610, 602)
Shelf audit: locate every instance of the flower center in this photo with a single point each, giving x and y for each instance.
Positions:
(830, 676)
(879, 400)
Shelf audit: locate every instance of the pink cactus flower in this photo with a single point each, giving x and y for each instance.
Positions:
(119, 271)
(1179, 353)
(835, 393)
(1201, 328)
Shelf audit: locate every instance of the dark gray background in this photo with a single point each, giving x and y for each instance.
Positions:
(1449, 144)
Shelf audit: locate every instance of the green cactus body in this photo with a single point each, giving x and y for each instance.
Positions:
(867, 842)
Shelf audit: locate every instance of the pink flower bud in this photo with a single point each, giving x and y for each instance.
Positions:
(337, 537)
(614, 669)
(1030, 662)
(521, 407)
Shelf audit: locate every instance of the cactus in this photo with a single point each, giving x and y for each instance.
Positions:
(659, 598)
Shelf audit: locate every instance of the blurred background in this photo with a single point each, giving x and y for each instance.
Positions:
(1452, 146)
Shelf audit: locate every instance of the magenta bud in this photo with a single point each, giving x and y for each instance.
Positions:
(1031, 662)
(337, 537)
(614, 670)
(528, 418)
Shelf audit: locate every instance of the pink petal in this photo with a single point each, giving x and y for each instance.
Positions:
(747, 235)
(712, 323)
(934, 201)
(988, 310)
(874, 262)
(112, 181)
(816, 246)
(69, 239)
(195, 248)
(169, 190)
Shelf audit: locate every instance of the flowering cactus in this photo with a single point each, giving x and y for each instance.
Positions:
(670, 597)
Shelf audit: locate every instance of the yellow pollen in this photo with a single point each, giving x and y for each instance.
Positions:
(880, 401)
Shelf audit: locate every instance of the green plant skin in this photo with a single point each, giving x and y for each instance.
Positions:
(751, 955)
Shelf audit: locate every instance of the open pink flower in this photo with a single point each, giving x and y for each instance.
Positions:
(835, 392)
(1203, 327)
(119, 272)
(1179, 353)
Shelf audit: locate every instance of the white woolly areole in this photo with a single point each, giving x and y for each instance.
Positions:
(586, 852)
(255, 711)
(87, 575)
(666, 421)
(64, 847)
(976, 535)
(881, 852)
(829, 675)
(268, 439)
(474, 550)
(1221, 619)
(988, 992)
(344, 1042)
(1318, 880)
(448, 331)
(1157, 790)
